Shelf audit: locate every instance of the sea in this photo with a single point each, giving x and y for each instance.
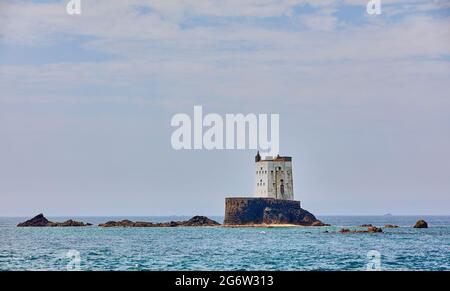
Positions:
(220, 248)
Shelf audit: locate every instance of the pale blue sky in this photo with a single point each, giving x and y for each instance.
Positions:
(86, 103)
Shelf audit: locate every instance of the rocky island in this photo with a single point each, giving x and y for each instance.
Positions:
(267, 211)
(40, 221)
(194, 221)
(273, 202)
(421, 224)
(370, 229)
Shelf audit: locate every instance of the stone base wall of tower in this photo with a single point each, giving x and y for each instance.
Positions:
(250, 211)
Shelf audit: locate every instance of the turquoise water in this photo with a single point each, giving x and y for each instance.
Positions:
(219, 248)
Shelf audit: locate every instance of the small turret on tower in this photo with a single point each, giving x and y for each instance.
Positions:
(257, 157)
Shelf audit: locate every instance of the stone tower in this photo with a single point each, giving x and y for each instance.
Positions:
(274, 177)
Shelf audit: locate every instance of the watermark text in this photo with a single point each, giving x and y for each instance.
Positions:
(235, 131)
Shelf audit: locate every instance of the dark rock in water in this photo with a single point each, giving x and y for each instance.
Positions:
(170, 224)
(374, 229)
(126, 223)
(109, 224)
(255, 211)
(371, 229)
(71, 223)
(40, 221)
(366, 225)
(194, 221)
(37, 221)
(142, 224)
(200, 221)
(421, 224)
(391, 226)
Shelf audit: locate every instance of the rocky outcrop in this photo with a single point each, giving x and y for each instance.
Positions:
(200, 221)
(37, 221)
(385, 226)
(266, 211)
(193, 222)
(70, 223)
(126, 223)
(370, 229)
(373, 229)
(40, 221)
(421, 224)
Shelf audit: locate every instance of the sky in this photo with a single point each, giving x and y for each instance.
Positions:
(86, 103)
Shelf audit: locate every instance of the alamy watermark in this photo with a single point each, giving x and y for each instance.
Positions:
(374, 7)
(374, 258)
(75, 260)
(74, 7)
(235, 131)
